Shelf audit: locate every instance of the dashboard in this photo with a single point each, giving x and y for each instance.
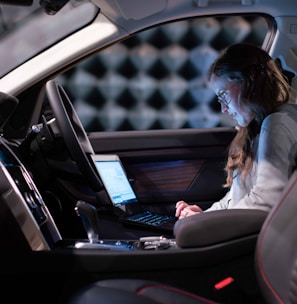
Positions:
(22, 207)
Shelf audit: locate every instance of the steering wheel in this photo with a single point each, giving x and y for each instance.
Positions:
(73, 132)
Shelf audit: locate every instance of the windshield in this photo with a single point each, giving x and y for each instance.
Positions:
(27, 31)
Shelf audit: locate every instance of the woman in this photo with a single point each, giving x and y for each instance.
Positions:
(251, 88)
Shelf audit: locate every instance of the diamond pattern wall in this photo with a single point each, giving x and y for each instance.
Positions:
(157, 79)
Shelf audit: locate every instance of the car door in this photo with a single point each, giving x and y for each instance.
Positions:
(165, 166)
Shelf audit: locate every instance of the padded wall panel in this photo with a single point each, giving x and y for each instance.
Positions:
(158, 79)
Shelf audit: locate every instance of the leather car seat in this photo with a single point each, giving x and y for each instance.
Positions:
(275, 263)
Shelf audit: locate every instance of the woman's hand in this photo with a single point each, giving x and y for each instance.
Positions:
(184, 210)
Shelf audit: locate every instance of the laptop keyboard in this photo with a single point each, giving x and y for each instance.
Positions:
(151, 219)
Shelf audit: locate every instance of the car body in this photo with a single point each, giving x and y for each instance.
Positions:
(127, 78)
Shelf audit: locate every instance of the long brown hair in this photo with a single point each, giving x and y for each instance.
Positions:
(264, 87)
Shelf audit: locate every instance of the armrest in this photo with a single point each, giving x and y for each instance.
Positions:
(214, 227)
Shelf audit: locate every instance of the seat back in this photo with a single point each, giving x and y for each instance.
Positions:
(276, 250)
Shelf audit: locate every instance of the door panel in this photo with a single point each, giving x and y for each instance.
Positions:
(169, 165)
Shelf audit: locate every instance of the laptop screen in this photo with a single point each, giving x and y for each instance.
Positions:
(114, 179)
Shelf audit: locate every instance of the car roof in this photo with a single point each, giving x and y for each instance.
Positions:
(133, 15)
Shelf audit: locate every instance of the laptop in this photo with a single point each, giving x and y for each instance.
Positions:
(121, 193)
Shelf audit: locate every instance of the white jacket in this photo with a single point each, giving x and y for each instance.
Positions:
(275, 151)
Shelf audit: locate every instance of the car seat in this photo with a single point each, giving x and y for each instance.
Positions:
(275, 267)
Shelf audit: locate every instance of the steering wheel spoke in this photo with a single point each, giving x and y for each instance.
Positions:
(73, 133)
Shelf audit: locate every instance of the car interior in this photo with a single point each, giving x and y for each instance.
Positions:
(107, 121)
(276, 280)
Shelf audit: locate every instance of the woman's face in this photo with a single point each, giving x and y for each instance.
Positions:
(228, 93)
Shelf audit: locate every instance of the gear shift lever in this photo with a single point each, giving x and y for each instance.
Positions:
(88, 214)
